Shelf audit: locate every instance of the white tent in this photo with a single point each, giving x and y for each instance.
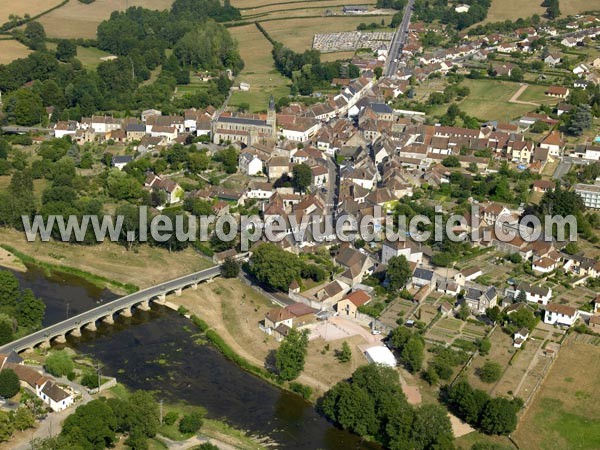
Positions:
(381, 355)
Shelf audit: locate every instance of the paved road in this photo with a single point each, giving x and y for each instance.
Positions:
(106, 309)
(24, 130)
(398, 42)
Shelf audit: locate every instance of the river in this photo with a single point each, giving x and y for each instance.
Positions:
(161, 351)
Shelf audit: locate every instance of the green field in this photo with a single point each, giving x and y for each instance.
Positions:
(259, 70)
(566, 410)
(536, 94)
(489, 100)
(90, 56)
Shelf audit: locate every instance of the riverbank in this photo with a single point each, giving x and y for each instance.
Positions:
(233, 310)
(214, 431)
(10, 261)
(143, 266)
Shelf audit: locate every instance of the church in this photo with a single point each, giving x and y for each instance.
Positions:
(245, 128)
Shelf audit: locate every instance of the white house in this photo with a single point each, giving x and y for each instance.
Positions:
(534, 294)
(260, 190)
(397, 248)
(462, 8)
(250, 164)
(520, 337)
(560, 315)
(54, 396)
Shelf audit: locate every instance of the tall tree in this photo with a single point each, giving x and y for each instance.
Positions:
(291, 355)
(301, 177)
(398, 272)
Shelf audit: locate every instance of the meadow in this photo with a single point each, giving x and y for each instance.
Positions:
(259, 70)
(489, 99)
(565, 413)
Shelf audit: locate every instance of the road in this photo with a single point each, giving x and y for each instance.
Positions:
(106, 309)
(398, 42)
(24, 130)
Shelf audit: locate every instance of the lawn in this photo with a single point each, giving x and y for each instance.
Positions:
(489, 100)
(535, 94)
(20, 8)
(11, 50)
(259, 70)
(78, 20)
(90, 56)
(565, 413)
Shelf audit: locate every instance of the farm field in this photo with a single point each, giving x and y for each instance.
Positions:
(20, 7)
(489, 99)
(298, 34)
(11, 50)
(502, 10)
(565, 413)
(572, 7)
(78, 20)
(265, 5)
(259, 70)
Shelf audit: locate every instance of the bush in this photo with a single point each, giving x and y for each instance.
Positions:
(490, 372)
(170, 418)
(90, 380)
(190, 423)
(299, 388)
(59, 363)
(9, 383)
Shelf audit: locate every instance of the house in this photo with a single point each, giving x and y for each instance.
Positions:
(557, 91)
(278, 321)
(581, 69)
(520, 337)
(462, 8)
(174, 192)
(357, 264)
(250, 164)
(533, 294)
(120, 161)
(446, 308)
(544, 265)
(543, 185)
(349, 304)
(423, 277)
(469, 274)
(390, 249)
(448, 287)
(569, 42)
(45, 388)
(54, 396)
(277, 167)
(553, 143)
(553, 59)
(594, 322)
(562, 315)
(480, 299)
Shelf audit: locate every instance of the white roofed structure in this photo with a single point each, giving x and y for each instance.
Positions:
(381, 355)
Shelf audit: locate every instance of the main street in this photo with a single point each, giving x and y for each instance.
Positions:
(398, 42)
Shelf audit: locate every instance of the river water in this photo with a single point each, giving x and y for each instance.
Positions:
(161, 351)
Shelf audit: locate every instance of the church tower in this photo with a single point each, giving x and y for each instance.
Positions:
(272, 116)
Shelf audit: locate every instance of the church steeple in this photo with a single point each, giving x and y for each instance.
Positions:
(272, 116)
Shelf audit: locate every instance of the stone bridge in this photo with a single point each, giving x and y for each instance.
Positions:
(123, 306)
